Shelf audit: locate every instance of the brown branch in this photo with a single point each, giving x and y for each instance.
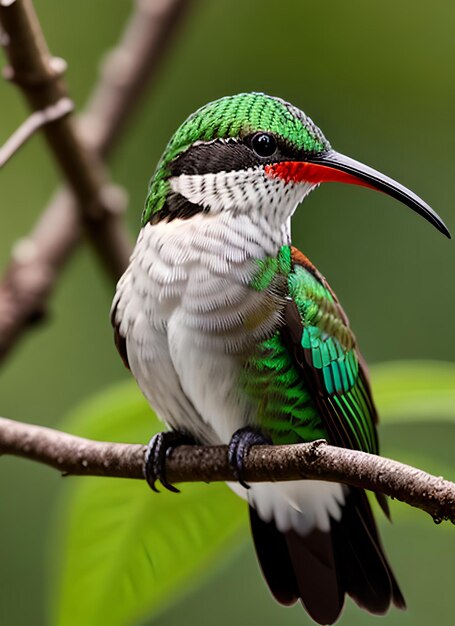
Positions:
(317, 461)
(39, 258)
(39, 76)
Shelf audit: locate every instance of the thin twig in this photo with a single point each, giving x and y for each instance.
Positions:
(39, 258)
(316, 460)
(34, 122)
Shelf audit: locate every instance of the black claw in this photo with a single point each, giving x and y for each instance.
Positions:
(239, 446)
(159, 448)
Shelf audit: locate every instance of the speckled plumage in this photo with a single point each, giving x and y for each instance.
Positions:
(225, 325)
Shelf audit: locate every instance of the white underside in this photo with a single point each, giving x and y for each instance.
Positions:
(297, 505)
(182, 306)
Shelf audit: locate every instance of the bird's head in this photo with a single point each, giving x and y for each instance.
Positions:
(253, 152)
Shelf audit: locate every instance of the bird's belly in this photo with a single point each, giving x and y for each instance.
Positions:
(210, 379)
(154, 371)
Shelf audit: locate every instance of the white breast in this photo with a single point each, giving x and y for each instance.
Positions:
(187, 313)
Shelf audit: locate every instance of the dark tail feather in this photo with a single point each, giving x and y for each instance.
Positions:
(299, 567)
(320, 588)
(368, 577)
(320, 567)
(273, 555)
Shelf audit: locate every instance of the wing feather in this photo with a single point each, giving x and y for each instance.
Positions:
(119, 340)
(317, 333)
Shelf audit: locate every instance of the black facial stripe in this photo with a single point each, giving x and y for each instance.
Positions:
(214, 157)
(225, 156)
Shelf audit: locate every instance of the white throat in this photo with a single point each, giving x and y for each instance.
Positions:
(250, 192)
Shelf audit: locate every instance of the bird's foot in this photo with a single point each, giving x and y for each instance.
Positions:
(239, 446)
(159, 448)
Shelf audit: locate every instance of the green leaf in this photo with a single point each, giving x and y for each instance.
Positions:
(414, 391)
(125, 551)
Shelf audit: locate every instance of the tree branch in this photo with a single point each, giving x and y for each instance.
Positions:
(39, 258)
(317, 460)
(40, 78)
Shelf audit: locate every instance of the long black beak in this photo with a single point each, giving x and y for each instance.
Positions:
(332, 166)
(370, 177)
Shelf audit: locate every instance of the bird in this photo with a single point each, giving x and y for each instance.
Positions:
(236, 338)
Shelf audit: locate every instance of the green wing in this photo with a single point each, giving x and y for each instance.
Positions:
(317, 334)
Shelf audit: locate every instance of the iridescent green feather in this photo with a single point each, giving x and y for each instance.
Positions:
(285, 407)
(234, 116)
(268, 268)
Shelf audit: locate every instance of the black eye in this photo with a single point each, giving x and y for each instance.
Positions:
(264, 144)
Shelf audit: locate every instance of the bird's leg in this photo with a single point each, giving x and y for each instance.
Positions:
(239, 446)
(158, 449)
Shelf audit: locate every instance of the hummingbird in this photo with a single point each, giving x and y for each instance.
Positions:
(234, 337)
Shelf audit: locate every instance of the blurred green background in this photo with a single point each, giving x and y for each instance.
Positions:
(378, 78)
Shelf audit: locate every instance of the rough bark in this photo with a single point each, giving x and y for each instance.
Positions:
(317, 460)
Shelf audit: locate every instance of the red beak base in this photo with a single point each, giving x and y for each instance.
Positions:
(306, 172)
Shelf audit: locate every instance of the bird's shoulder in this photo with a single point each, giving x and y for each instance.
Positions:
(318, 307)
